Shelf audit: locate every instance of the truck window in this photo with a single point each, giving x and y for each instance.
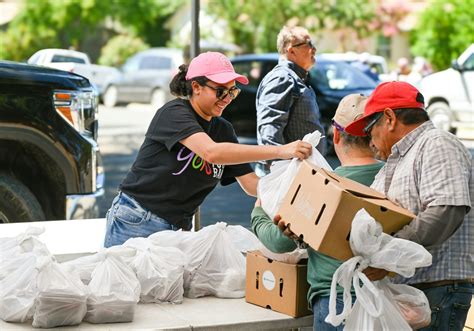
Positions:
(65, 58)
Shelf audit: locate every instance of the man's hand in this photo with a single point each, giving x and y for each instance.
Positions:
(284, 228)
(375, 274)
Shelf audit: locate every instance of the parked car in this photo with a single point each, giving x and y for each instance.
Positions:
(376, 62)
(144, 77)
(449, 94)
(332, 80)
(50, 165)
(76, 62)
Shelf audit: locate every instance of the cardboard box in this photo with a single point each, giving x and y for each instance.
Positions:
(278, 286)
(320, 207)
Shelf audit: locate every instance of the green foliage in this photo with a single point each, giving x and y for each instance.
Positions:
(71, 23)
(254, 25)
(444, 31)
(119, 48)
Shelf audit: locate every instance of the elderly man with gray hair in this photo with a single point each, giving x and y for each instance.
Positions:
(286, 103)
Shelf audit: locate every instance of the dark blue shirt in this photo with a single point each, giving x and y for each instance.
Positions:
(286, 106)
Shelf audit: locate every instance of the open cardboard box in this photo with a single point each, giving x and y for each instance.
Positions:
(279, 286)
(321, 205)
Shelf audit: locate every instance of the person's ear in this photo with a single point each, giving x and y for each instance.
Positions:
(196, 87)
(390, 118)
(336, 137)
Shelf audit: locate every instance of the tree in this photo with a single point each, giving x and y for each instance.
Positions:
(444, 31)
(72, 23)
(255, 24)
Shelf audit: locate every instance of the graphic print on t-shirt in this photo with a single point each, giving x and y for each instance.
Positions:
(197, 163)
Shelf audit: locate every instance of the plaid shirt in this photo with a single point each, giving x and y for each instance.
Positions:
(286, 106)
(430, 167)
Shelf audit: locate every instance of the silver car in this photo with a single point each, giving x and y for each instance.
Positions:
(144, 78)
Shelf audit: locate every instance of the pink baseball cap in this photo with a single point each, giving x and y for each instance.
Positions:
(214, 66)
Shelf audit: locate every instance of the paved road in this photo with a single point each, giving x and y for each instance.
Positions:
(121, 132)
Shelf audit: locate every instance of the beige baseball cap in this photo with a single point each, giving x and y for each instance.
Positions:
(350, 109)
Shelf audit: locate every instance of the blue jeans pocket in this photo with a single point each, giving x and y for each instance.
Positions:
(129, 215)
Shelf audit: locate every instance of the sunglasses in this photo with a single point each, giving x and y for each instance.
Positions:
(222, 92)
(309, 43)
(368, 128)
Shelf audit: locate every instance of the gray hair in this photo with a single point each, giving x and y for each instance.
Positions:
(288, 36)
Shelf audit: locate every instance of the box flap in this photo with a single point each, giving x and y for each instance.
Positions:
(351, 186)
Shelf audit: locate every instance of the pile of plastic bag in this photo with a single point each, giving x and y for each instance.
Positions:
(105, 287)
(380, 305)
(33, 286)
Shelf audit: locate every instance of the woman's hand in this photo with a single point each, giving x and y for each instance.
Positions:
(300, 149)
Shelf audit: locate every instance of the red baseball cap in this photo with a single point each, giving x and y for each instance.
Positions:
(214, 66)
(394, 95)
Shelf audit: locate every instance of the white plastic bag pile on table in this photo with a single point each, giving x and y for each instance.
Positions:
(36, 287)
(380, 305)
(273, 187)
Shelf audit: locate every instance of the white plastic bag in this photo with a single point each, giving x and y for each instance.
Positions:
(273, 187)
(292, 257)
(61, 298)
(411, 302)
(159, 271)
(114, 289)
(25, 242)
(215, 267)
(18, 289)
(373, 310)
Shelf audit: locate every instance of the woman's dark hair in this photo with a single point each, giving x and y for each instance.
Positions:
(181, 87)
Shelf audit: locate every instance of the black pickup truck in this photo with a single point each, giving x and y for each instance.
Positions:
(50, 165)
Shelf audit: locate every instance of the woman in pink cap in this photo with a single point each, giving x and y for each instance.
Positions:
(188, 150)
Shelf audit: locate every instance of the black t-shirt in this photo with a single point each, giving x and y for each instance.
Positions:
(169, 179)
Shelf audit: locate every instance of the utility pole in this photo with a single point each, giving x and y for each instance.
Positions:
(195, 29)
(194, 51)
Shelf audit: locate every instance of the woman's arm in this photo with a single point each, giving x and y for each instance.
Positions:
(249, 183)
(231, 153)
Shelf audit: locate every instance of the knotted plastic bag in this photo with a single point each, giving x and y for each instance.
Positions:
(159, 271)
(18, 289)
(114, 288)
(61, 298)
(374, 309)
(273, 187)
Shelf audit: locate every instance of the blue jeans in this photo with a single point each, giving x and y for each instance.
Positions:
(321, 310)
(127, 219)
(449, 306)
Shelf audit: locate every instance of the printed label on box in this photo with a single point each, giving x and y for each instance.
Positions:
(268, 280)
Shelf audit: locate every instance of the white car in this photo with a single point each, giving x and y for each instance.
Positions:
(449, 94)
(76, 62)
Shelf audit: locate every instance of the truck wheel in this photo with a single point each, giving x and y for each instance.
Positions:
(17, 203)
(158, 98)
(110, 97)
(441, 116)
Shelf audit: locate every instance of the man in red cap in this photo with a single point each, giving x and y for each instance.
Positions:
(429, 172)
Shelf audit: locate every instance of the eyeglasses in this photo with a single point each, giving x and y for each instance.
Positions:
(338, 126)
(309, 43)
(368, 128)
(222, 92)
